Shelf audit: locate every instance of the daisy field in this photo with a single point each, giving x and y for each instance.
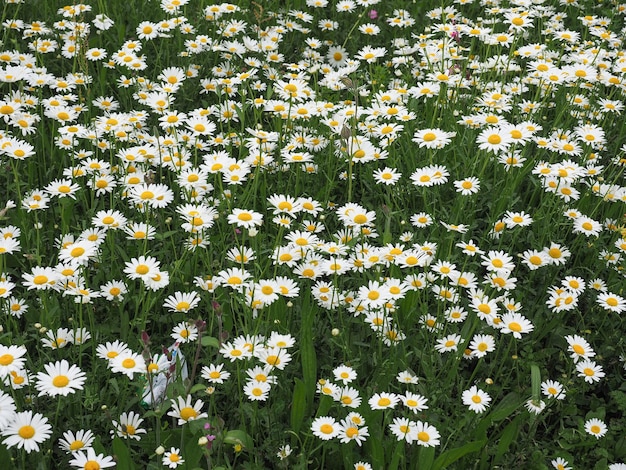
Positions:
(324, 234)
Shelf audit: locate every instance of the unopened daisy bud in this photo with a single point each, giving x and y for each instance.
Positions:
(347, 81)
(168, 220)
(290, 304)
(335, 332)
(210, 390)
(200, 325)
(252, 232)
(103, 407)
(37, 325)
(145, 338)
(202, 441)
(159, 450)
(1, 328)
(489, 381)
(346, 133)
(42, 330)
(38, 225)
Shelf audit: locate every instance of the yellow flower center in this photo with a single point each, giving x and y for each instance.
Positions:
(360, 219)
(41, 279)
(78, 251)
(26, 431)
(273, 360)
(142, 269)
(554, 252)
(326, 428)
(484, 308)
(188, 413)
(6, 359)
(128, 363)
(182, 306)
(514, 326)
(60, 381)
(77, 445)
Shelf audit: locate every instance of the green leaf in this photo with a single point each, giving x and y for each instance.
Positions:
(4, 454)
(210, 341)
(237, 436)
(193, 452)
(501, 411)
(508, 436)
(426, 458)
(196, 426)
(535, 381)
(122, 455)
(398, 454)
(376, 452)
(308, 355)
(452, 455)
(197, 388)
(298, 405)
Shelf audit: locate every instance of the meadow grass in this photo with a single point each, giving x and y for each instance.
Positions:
(313, 234)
